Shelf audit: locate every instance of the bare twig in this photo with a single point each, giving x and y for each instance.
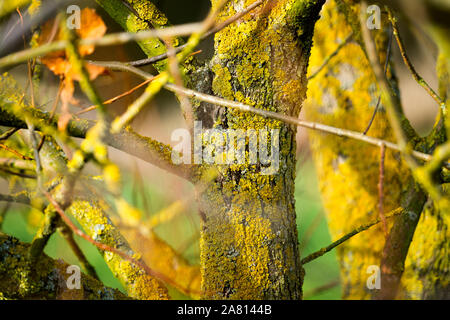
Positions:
(17, 164)
(174, 67)
(319, 290)
(381, 191)
(120, 96)
(132, 111)
(17, 153)
(67, 234)
(311, 229)
(8, 133)
(348, 236)
(386, 65)
(393, 106)
(19, 174)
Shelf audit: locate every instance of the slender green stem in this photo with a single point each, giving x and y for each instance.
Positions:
(331, 56)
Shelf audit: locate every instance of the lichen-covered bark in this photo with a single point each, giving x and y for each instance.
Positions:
(249, 244)
(99, 227)
(137, 16)
(427, 267)
(159, 256)
(47, 279)
(7, 7)
(344, 95)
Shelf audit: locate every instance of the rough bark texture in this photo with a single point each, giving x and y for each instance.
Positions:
(249, 244)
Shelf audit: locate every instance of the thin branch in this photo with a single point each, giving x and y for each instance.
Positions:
(319, 290)
(393, 107)
(386, 65)
(408, 63)
(132, 111)
(108, 40)
(112, 100)
(348, 236)
(215, 29)
(186, 106)
(17, 153)
(381, 190)
(331, 56)
(17, 164)
(19, 174)
(67, 234)
(7, 134)
(264, 113)
(311, 229)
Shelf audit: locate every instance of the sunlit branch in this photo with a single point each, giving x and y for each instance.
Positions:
(268, 114)
(108, 40)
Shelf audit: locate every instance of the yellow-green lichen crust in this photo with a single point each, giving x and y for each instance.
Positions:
(48, 278)
(344, 95)
(99, 227)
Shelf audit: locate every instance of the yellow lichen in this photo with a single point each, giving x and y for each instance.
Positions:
(249, 239)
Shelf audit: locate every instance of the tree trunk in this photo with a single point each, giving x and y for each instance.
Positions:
(249, 242)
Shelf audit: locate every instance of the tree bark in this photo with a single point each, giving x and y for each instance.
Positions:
(249, 241)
